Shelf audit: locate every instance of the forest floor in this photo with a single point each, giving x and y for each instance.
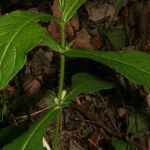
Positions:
(93, 119)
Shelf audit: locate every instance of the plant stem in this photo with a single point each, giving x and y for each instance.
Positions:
(62, 63)
(61, 77)
(60, 87)
(55, 145)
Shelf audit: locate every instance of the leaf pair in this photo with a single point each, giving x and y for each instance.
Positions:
(32, 139)
(19, 33)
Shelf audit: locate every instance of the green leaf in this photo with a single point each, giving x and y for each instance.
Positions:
(8, 134)
(133, 65)
(32, 139)
(138, 125)
(85, 82)
(117, 2)
(122, 145)
(61, 4)
(69, 8)
(51, 42)
(19, 33)
(117, 36)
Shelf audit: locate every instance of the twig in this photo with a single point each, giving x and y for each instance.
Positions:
(24, 117)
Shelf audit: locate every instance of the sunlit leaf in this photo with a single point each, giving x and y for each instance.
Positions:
(19, 33)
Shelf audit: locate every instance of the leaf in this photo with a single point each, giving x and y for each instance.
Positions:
(19, 33)
(83, 40)
(62, 4)
(51, 43)
(117, 2)
(8, 134)
(69, 8)
(138, 125)
(117, 36)
(85, 82)
(133, 65)
(121, 145)
(32, 139)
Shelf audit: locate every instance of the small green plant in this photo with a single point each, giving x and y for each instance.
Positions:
(20, 32)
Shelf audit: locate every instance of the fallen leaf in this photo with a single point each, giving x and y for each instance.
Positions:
(33, 85)
(96, 42)
(54, 30)
(72, 27)
(82, 40)
(38, 66)
(55, 9)
(97, 13)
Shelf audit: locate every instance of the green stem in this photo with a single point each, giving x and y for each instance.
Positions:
(61, 84)
(62, 25)
(61, 77)
(55, 145)
(62, 63)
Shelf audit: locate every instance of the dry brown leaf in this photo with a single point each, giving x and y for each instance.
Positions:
(97, 13)
(82, 40)
(35, 69)
(72, 27)
(96, 42)
(55, 9)
(54, 30)
(33, 85)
